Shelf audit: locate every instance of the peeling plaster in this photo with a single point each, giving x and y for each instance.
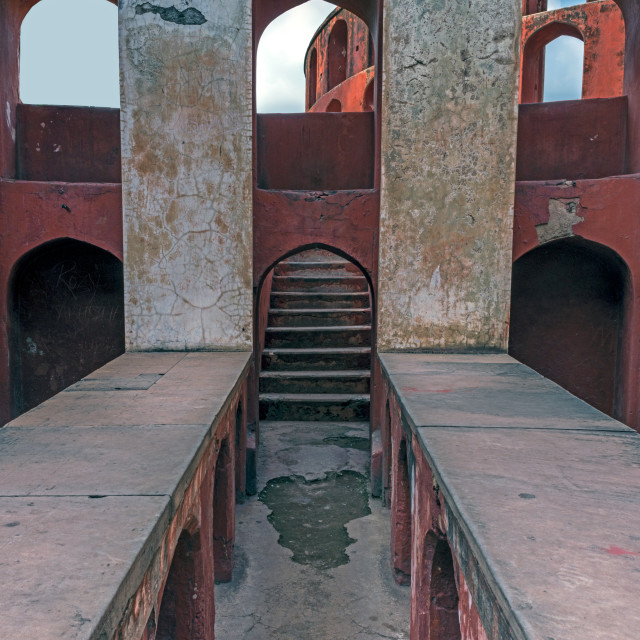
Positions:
(189, 16)
(562, 218)
(449, 120)
(186, 154)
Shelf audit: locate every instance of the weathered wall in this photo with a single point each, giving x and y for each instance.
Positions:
(448, 156)
(186, 156)
(316, 152)
(68, 144)
(572, 139)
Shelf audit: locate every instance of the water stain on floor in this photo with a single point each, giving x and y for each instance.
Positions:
(310, 516)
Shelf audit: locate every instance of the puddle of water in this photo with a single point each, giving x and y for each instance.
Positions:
(362, 444)
(310, 516)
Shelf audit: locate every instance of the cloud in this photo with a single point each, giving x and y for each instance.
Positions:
(280, 82)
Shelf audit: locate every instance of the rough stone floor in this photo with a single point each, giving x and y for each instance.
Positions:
(312, 548)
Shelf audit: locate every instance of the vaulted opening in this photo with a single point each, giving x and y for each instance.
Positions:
(66, 318)
(568, 317)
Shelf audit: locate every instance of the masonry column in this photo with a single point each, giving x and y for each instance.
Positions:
(448, 156)
(186, 162)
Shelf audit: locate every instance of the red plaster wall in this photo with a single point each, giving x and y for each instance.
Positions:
(609, 210)
(350, 94)
(602, 28)
(316, 151)
(359, 55)
(68, 144)
(32, 213)
(286, 221)
(572, 139)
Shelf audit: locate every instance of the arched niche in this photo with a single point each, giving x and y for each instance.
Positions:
(533, 59)
(568, 307)
(444, 623)
(337, 55)
(312, 79)
(186, 609)
(66, 317)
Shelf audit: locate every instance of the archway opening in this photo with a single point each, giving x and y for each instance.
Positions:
(280, 59)
(568, 317)
(444, 622)
(185, 611)
(563, 69)
(223, 514)
(69, 54)
(401, 512)
(66, 318)
(337, 53)
(552, 64)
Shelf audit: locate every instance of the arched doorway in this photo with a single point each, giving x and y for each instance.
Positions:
(66, 318)
(567, 317)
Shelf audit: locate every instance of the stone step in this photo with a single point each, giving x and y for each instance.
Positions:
(303, 337)
(315, 382)
(326, 300)
(318, 317)
(320, 283)
(313, 407)
(314, 255)
(312, 268)
(316, 359)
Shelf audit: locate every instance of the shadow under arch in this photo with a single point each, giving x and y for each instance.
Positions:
(533, 58)
(326, 247)
(570, 315)
(59, 294)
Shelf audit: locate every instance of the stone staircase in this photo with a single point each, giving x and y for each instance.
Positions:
(317, 357)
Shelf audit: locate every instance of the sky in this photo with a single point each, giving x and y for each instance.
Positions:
(69, 55)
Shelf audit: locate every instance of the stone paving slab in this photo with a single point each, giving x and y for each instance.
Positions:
(144, 460)
(193, 392)
(64, 560)
(486, 391)
(555, 519)
(69, 559)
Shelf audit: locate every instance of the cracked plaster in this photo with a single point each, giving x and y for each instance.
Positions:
(450, 100)
(186, 156)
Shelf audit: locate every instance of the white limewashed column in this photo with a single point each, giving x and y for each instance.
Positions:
(449, 119)
(186, 165)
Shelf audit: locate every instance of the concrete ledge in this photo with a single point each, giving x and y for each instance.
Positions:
(542, 495)
(90, 481)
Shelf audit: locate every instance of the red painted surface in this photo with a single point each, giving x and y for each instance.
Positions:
(617, 551)
(599, 24)
(609, 209)
(33, 213)
(352, 94)
(287, 221)
(567, 317)
(343, 49)
(572, 139)
(316, 151)
(68, 144)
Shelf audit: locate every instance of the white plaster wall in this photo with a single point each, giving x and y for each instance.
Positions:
(186, 161)
(449, 118)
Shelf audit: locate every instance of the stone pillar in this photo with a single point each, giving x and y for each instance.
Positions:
(449, 117)
(185, 71)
